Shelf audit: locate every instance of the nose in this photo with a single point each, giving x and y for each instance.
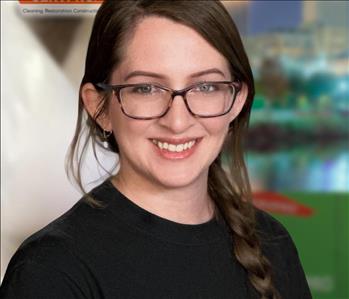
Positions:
(178, 119)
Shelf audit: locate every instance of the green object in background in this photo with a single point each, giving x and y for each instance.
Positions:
(322, 240)
(258, 102)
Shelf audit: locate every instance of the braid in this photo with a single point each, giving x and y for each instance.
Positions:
(240, 217)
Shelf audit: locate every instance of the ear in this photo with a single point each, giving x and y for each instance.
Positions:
(92, 101)
(239, 103)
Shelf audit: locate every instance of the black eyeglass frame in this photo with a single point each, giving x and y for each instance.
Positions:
(182, 92)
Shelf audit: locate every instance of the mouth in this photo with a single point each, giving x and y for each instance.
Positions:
(176, 148)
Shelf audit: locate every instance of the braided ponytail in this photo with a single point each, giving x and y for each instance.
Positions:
(240, 217)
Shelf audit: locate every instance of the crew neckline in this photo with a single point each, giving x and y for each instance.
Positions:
(167, 230)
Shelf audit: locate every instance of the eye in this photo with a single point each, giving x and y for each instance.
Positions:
(145, 89)
(206, 87)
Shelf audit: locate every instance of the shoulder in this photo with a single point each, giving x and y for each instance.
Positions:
(280, 249)
(275, 239)
(72, 234)
(53, 246)
(50, 262)
(44, 265)
(67, 233)
(268, 227)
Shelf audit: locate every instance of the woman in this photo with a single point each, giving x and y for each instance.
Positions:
(167, 87)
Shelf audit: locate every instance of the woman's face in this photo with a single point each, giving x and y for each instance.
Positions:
(173, 55)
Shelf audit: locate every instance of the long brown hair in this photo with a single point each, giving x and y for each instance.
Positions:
(113, 27)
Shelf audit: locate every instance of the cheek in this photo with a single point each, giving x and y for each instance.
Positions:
(217, 131)
(217, 127)
(127, 131)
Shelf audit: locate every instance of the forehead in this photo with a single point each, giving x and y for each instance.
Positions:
(163, 46)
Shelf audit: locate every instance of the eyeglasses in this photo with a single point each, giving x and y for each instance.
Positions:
(149, 101)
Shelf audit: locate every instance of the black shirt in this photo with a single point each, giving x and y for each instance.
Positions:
(124, 251)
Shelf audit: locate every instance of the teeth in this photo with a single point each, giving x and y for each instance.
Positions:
(179, 148)
(174, 147)
(171, 147)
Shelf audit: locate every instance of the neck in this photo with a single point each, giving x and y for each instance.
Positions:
(189, 204)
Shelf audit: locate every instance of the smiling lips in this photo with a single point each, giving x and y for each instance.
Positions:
(175, 149)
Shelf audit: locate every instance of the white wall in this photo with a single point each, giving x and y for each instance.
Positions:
(38, 115)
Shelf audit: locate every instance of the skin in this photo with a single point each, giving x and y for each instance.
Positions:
(175, 189)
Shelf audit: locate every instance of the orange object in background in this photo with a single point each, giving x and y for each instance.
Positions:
(280, 204)
(60, 1)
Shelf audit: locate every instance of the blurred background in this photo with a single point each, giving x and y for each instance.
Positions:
(298, 148)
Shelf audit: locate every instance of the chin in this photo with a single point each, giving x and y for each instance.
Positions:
(180, 180)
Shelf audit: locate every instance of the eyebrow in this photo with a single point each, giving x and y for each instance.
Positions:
(207, 72)
(144, 74)
(159, 76)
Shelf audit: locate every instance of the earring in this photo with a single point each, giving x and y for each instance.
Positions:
(106, 135)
